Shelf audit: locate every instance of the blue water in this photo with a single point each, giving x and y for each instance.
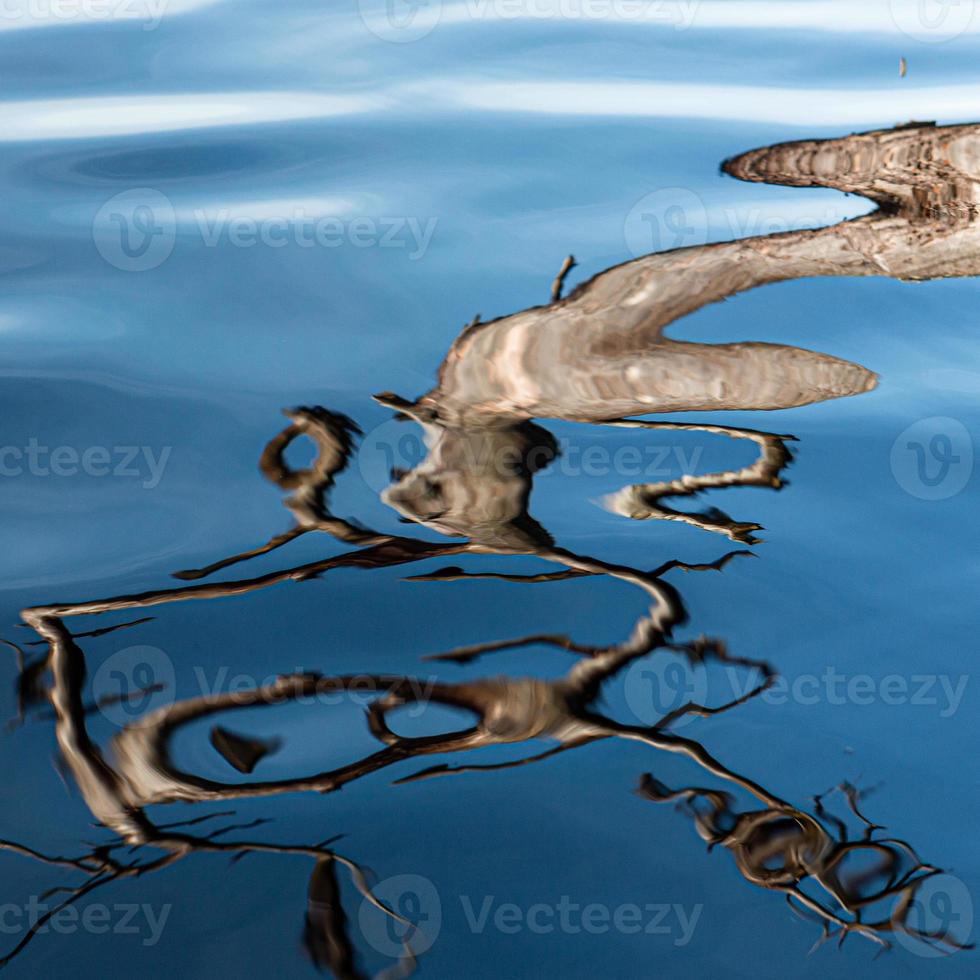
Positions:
(449, 175)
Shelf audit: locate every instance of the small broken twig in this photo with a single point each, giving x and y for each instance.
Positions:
(558, 284)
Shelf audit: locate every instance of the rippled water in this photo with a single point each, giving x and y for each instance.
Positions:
(217, 211)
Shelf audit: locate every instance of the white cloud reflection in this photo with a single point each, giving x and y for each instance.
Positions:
(743, 103)
(55, 119)
(275, 209)
(88, 118)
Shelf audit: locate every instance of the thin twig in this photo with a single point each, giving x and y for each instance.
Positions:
(559, 283)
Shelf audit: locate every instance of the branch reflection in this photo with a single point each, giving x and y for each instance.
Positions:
(598, 356)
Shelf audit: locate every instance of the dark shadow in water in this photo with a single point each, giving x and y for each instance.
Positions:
(596, 356)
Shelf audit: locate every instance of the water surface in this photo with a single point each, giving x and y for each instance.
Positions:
(240, 209)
